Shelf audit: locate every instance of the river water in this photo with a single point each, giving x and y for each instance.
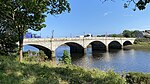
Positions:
(117, 60)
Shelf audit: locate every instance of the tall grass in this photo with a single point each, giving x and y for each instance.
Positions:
(13, 72)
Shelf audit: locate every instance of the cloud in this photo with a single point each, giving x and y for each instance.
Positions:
(107, 13)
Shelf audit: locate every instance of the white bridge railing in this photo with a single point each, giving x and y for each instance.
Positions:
(72, 39)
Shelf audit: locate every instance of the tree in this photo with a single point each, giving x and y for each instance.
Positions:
(8, 39)
(126, 33)
(22, 15)
(66, 58)
(140, 4)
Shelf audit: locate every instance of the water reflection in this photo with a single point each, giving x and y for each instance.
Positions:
(118, 60)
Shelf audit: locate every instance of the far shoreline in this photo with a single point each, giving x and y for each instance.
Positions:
(137, 46)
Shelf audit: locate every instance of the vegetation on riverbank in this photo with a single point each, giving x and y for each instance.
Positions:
(140, 43)
(14, 72)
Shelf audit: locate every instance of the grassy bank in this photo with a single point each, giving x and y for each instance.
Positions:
(13, 72)
(139, 45)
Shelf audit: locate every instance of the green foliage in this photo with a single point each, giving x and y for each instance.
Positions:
(140, 4)
(39, 57)
(25, 54)
(42, 55)
(126, 33)
(142, 40)
(115, 35)
(133, 34)
(13, 72)
(137, 78)
(22, 15)
(66, 58)
(8, 39)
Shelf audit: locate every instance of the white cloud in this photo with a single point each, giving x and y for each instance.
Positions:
(107, 13)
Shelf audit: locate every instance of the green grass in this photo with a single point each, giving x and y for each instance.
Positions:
(139, 45)
(13, 72)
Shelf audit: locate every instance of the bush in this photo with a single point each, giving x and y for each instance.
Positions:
(13, 72)
(139, 40)
(137, 78)
(39, 58)
(42, 55)
(66, 59)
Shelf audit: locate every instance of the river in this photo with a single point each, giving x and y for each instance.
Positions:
(117, 60)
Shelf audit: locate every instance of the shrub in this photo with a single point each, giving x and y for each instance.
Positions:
(137, 78)
(66, 58)
(139, 40)
(42, 56)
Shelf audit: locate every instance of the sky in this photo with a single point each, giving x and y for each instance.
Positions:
(95, 17)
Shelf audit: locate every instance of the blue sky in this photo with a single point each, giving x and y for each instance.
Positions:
(91, 16)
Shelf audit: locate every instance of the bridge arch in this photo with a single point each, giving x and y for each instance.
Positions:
(97, 46)
(74, 47)
(127, 43)
(114, 45)
(46, 50)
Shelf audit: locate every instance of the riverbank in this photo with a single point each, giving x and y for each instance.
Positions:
(140, 45)
(14, 72)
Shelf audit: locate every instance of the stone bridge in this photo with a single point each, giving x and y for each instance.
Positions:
(78, 45)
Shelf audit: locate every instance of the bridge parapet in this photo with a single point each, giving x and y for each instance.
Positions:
(69, 39)
(53, 43)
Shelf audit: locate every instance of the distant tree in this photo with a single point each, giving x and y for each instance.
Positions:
(115, 35)
(126, 33)
(22, 15)
(137, 34)
(134, 34)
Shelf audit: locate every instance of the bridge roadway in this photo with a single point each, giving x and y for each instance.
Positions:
(78, 45)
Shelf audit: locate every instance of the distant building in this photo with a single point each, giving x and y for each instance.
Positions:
(146, 33)
(88, 35)
(30, 35)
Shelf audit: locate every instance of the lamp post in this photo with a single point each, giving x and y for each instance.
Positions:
(52, 34)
